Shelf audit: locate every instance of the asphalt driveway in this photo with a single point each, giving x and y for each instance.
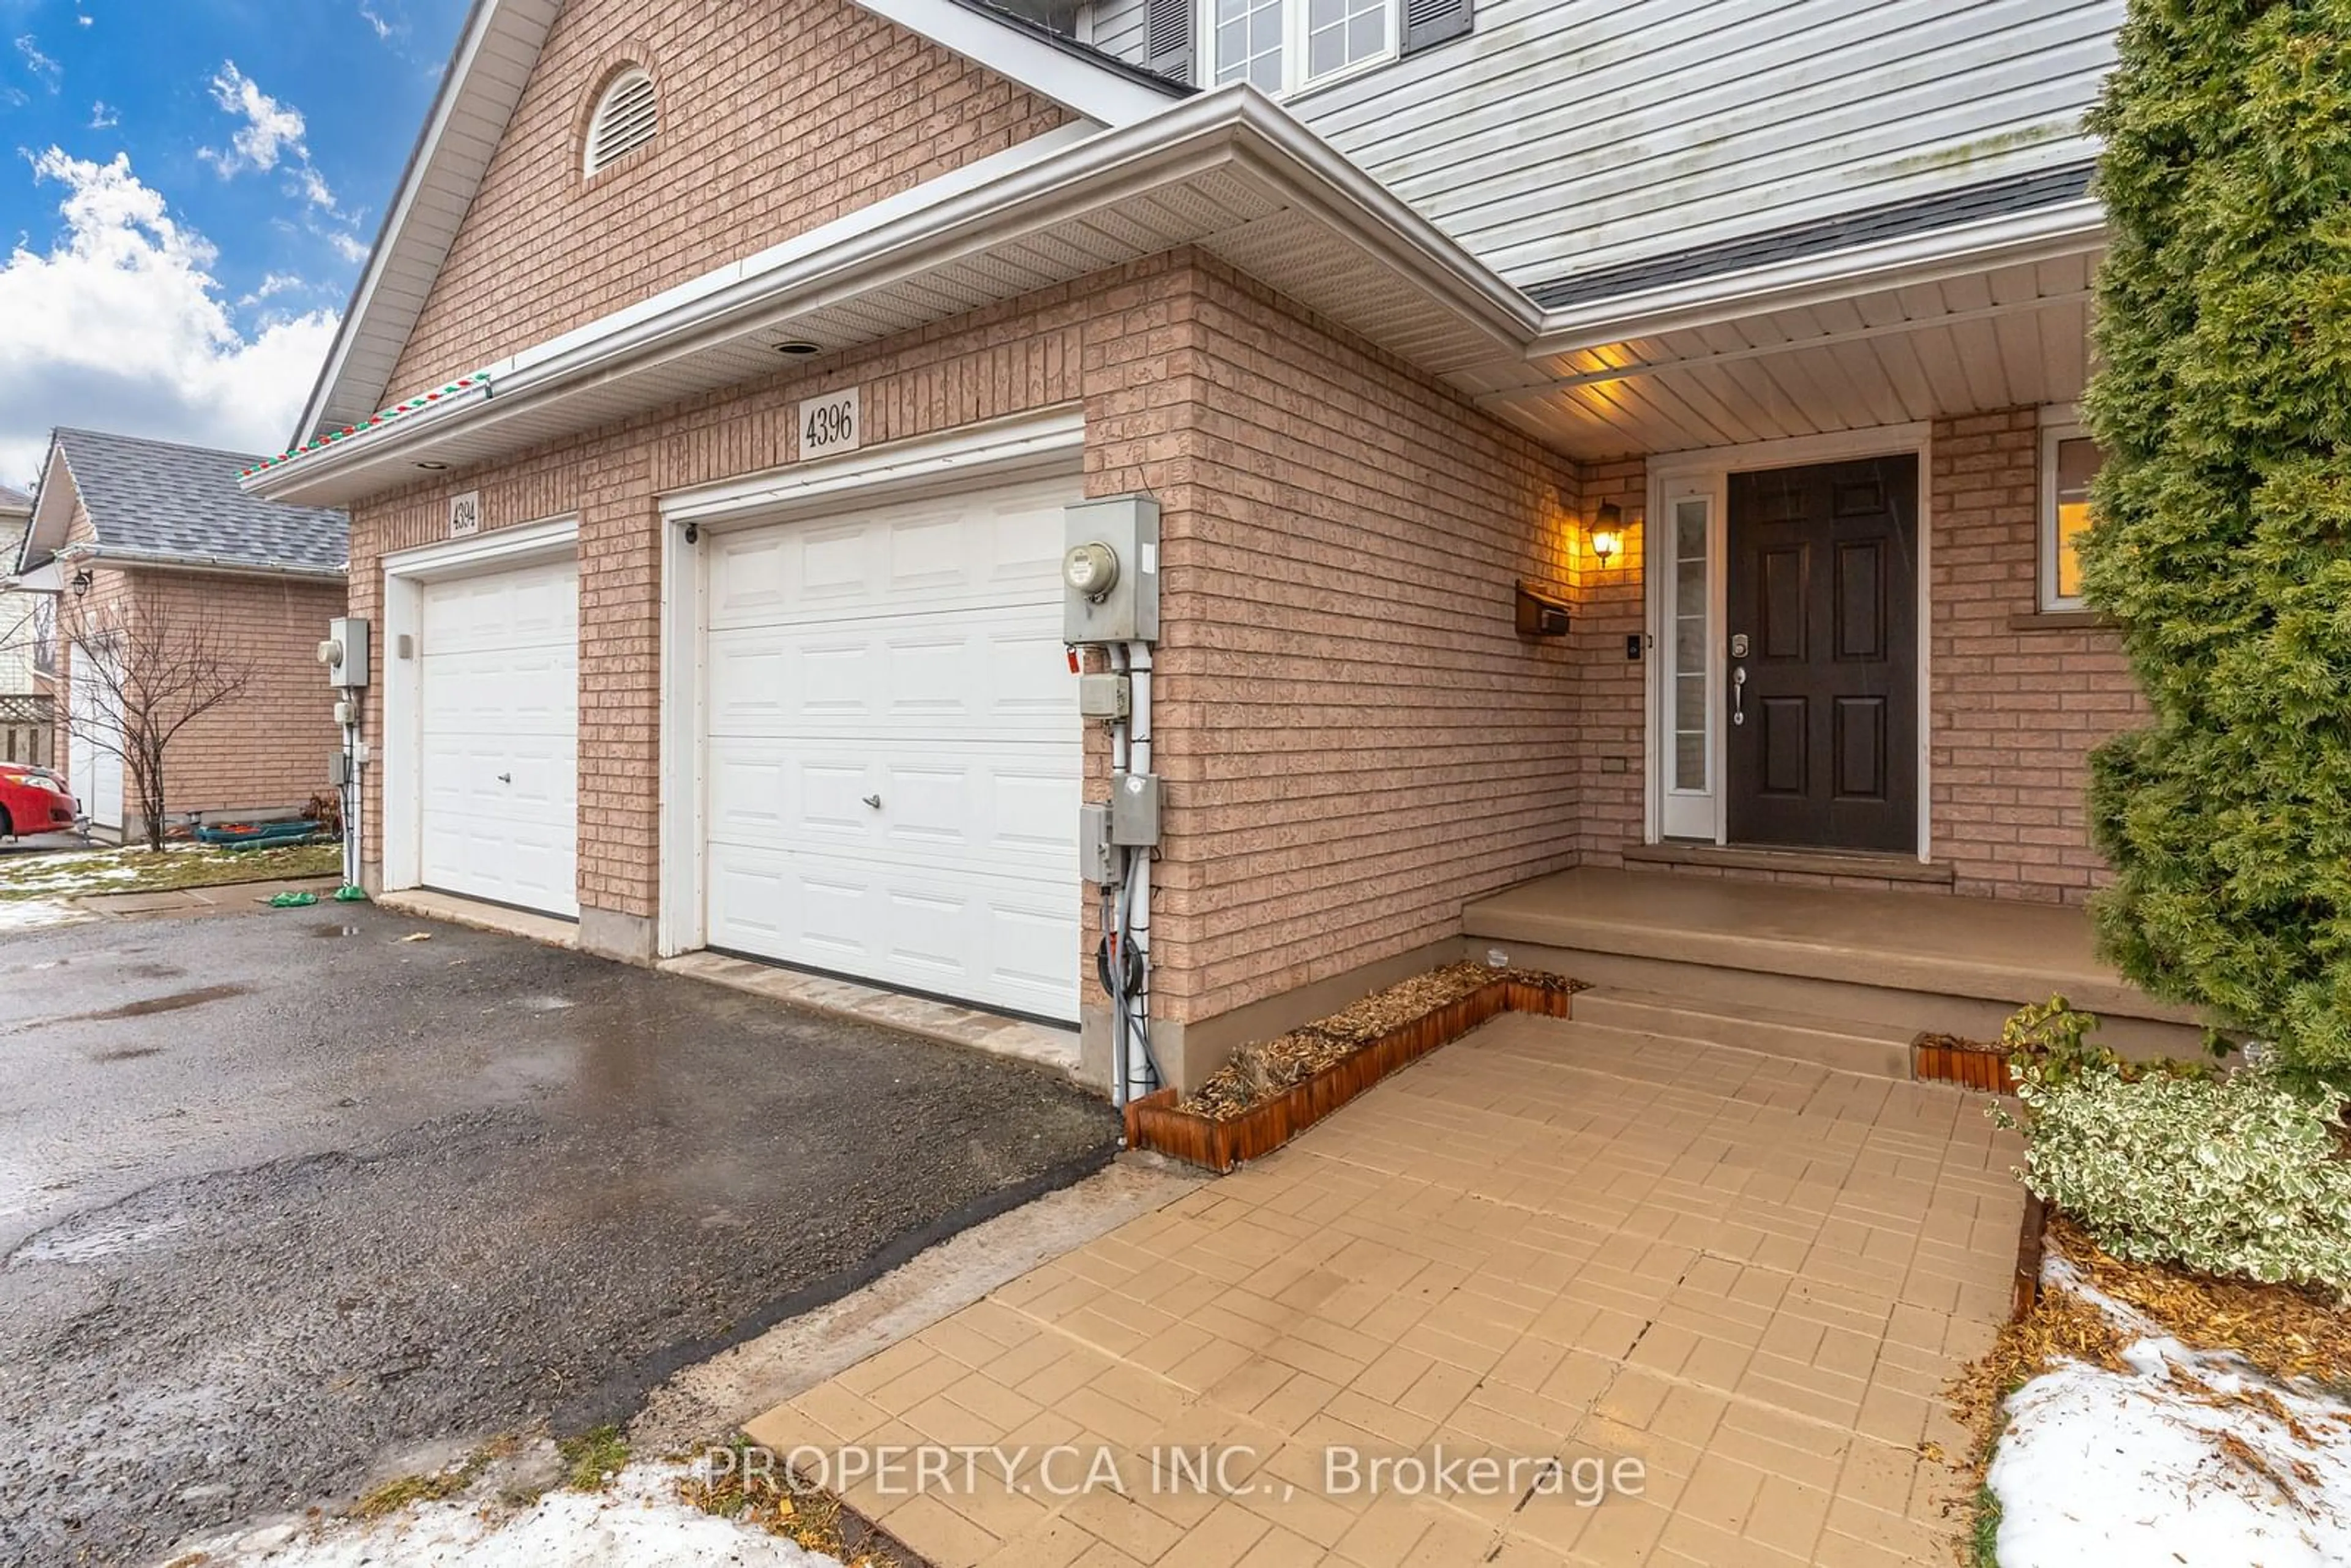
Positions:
(282, 1193)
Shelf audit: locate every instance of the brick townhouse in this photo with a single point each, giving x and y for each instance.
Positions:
(151, 551)
(1575, 439)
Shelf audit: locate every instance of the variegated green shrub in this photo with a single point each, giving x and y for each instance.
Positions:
(2235, 1173)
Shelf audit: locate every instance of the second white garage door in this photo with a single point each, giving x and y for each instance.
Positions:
(498, 711)
(894, 751)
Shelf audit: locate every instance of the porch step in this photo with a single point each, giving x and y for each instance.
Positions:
(1878, 965)
(1847, 1045)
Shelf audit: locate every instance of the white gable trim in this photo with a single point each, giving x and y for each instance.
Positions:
(53, 509)
(495, 53)
(1097, 91)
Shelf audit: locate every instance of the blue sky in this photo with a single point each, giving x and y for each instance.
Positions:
(187, 192)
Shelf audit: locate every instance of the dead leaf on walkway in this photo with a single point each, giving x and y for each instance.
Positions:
(418, 936)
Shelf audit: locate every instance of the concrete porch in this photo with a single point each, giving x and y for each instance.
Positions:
(1842, 976)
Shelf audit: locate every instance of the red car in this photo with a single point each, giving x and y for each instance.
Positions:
(33, 800)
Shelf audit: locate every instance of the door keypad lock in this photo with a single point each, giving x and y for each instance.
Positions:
(1739, 644)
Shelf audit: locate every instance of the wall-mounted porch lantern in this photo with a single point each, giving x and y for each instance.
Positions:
(83, 580)
(1607, 532)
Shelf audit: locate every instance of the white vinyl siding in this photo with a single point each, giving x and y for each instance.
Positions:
(1566, 133)
(1122, 27)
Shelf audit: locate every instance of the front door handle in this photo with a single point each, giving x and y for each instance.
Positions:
(1739, 694)
(875, 801)
(506, 778)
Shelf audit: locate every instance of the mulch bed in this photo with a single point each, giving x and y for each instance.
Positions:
(1274, 1090)
(2286, 1333)
(1261, 1070)
(2283, 1331)
(1952, 1058)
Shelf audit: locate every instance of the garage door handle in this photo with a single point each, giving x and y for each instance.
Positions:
(506, 778)
(875, 801)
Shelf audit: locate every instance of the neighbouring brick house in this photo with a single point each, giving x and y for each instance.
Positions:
(151, 550)
(709, 410)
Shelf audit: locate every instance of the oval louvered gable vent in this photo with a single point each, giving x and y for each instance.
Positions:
(625, 120)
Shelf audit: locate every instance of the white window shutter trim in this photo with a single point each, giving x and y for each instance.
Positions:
(1428, 21)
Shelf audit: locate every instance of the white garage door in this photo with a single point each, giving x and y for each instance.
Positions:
(498, 762)
(93, 743)
(893, 747)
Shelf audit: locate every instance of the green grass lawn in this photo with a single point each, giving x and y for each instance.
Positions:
(76, 873)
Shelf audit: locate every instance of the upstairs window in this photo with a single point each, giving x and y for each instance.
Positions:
(1283, 45)
(628, 118)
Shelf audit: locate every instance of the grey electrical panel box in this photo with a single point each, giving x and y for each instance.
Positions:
(338, 769)
(1134, 810)
(1097, 856)
(1109, 576)
(345, 652)
(1105, 696)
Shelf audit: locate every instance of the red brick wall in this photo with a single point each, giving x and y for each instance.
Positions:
(1356, 740)
(2015, 705)
(266, 748)
(1610, 736)
(774, 118)
(1354, 737)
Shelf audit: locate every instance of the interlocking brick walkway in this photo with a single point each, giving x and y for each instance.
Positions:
(1547, 1239)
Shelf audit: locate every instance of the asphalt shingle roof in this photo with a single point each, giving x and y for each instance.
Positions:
(13, 500)
(159, 499)
(1863, 226)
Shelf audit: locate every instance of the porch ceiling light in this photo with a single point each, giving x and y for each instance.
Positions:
(1607, 531)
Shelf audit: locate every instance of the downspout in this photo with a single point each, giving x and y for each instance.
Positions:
(1143, 1066)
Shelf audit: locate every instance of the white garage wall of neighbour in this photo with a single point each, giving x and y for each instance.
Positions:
(892, 755)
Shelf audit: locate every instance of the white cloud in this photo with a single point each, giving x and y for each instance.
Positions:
(121, 324)
(271, 129)
(383, 29)
(271, 285)
(351, 248)
(104, 116)
(45, 70)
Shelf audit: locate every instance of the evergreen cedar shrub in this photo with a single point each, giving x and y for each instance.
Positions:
(2221, 543)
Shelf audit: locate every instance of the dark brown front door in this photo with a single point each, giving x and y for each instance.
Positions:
(1824, 627)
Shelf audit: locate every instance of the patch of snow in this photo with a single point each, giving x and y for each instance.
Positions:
(34, 914)
(2171, 1462)
(636, 1521)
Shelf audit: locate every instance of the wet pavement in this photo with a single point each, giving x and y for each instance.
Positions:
(283, 1195)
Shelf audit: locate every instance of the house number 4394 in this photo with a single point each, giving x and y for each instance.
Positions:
(829, 423)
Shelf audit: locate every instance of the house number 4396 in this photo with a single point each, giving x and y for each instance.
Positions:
(829, 423)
